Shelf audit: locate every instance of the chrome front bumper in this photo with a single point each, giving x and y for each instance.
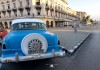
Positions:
(32, 57)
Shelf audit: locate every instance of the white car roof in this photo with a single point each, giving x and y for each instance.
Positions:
(26, 20)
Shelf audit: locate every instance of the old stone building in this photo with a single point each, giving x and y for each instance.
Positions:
(54, 13)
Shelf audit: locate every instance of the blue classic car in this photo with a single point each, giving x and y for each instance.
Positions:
(29, 40)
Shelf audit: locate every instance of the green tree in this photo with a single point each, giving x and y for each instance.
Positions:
(92, 21)
(88, 19)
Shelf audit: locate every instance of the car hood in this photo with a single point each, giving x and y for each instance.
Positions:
(13, 39)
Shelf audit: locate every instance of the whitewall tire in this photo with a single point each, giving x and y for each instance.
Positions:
(30, 37)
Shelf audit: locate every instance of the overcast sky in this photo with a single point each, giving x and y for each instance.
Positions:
(92, 7)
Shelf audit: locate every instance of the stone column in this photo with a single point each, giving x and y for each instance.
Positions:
(8, 23)
(25, 13)
(3, 24)
(54, 24)
(18, 13)
(33, 9)
(43, 11)
(2, 15)
(12, 14)
(7, 15)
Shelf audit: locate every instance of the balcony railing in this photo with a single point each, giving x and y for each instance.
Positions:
(47, 7)
(51, 8)
(27, 7)
(3, 10)
(20, 8)
(8, 10)
(14, 9)
(38, 6)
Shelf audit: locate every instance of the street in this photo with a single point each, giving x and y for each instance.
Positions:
(88, 56)
(85, 58)
(49, 35)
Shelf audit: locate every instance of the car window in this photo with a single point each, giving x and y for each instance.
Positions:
(28, 26)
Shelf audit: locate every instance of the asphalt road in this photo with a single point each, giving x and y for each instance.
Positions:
(86, 58)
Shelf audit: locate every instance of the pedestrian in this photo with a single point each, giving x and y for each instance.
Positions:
(75, 28)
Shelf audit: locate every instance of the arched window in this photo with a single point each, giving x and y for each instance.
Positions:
(51, 23)
(10, 23)
(47, 23)
(1, 25)
(6, 25)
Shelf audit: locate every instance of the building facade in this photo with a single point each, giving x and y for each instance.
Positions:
(54, 13)
(81, 14)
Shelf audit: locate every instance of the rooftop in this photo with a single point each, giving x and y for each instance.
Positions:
(26, 20)
(65, 1)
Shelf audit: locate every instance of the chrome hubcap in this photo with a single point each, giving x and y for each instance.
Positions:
(35, 45)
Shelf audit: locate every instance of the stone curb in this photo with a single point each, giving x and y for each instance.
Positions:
(72, 51)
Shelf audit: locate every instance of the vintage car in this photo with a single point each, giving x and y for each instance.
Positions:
(3, 33)
(29, 40)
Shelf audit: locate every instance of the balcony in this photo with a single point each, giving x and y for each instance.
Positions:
(61, 12)
(20, 8)
(3, 10)
(47, 7)
(51, 8)
(38, 6)
(57, 10)
(14, 9)
(8, 10)
(28, 7)
(64, 12)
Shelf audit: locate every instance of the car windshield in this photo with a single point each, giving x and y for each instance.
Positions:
(28, 26)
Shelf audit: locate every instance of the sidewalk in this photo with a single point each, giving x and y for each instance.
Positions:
(69, 28)
(69, 39)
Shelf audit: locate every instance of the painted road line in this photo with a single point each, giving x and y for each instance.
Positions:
(75, 47)
(71, 51)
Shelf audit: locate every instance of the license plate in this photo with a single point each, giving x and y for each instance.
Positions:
(35, 51)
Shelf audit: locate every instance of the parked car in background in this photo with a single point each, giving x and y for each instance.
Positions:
(3, 33)
(29, 40)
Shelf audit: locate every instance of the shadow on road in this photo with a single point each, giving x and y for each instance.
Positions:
(29, 65)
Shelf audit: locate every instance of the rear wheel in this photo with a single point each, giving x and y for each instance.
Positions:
(62, 48)
(58, 42)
